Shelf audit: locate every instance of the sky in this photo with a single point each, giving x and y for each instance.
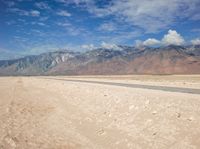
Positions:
(30, 27)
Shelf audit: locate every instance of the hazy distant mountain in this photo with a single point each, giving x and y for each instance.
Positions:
(128, 60)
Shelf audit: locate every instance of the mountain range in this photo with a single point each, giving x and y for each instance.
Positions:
(106, 61)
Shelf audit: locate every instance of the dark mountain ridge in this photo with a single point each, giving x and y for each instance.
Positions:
(128, 60)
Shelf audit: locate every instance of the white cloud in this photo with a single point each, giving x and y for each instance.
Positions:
(34, 13)
(110, 46)
(41, 24)
(61, 1)
(64, 24)
(172, 38)
(77, 2)
(88, 47)
(138, 43)
(151, 42)
(195, 41)
(150, 15)
(43, 18)
(153, 15)
(107, 27)
(42, 5)
(63, 13)
(38, 33)
(71, 29)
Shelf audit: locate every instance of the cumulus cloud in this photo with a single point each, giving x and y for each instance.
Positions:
(151, 42)
(173, 38)
(63, 13)
(195, 41)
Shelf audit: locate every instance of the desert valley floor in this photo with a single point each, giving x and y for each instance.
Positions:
(100, 112)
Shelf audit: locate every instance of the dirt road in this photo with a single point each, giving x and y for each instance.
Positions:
(152, 87)
(53, 114)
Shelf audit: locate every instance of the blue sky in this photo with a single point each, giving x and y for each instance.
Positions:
(37, 26)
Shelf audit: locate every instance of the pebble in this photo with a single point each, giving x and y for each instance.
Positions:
(190, 119)
(178, 115)
(154, 112)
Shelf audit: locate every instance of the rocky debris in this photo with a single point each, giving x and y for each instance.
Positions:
(154, 112)
(178, 115)
(190, 118)
(154, 133)
(10, 143)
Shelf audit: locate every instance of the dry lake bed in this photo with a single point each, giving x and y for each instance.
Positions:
(100, 112)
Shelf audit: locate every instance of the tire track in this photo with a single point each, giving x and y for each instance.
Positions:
(9, 141)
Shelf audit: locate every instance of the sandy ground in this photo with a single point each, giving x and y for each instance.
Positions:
(37, 112)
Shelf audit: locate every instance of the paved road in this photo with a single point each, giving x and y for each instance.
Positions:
(152, 87)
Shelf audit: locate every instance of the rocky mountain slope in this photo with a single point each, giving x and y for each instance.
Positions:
(128, 60)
